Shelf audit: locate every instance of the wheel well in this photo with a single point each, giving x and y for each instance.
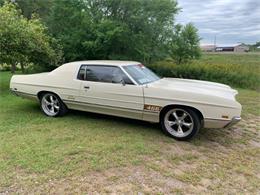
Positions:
(41, 93)
(181, 106)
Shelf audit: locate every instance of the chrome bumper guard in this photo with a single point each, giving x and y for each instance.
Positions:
(234, 121)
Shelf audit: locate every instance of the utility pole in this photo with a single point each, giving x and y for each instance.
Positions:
(215, 42)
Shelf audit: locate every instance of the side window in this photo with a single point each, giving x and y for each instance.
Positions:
(82, 73)
(94, 73)
(99, 73)
(107, 74)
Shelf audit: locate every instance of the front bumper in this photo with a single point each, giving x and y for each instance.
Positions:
(234, 121)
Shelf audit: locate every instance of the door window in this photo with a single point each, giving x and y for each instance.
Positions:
(106, 74)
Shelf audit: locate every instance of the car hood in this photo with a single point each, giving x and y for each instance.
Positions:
(195, 87)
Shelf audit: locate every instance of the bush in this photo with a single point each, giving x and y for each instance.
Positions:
(24, 41)
(5, 67)
(234, 75)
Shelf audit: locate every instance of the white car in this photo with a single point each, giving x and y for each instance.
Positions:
(129, 89)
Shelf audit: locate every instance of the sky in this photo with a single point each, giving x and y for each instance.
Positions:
(231, 21)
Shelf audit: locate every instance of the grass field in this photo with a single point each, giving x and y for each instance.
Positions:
(84, 152)
(247, 59)
(236, 69)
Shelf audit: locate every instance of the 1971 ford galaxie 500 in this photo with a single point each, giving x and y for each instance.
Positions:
(129, 89)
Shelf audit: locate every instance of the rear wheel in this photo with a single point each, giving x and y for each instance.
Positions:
(180, 123)
(52, 105)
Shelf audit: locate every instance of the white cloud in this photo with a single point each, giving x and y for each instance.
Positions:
(231, 21)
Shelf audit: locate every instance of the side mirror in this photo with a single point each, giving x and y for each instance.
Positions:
(123, 82)
(118, 79)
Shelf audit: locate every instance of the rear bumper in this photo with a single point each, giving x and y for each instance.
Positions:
(13, 91)
(234, 121)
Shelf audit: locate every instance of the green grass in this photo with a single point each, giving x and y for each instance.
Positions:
(33, 142)
(245, 59)
(250, 101)
(238, 70)
(36, 149)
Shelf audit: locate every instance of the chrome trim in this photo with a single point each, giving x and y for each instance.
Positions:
(19, 93)
(112, 110)
(234, 121)
(25, 95)
(183, 101)
(49, 86)
(216, 119)
(93, 104)
(104, 109)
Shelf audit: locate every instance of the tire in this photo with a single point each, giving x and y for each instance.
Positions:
(180, 123)
(52, 105)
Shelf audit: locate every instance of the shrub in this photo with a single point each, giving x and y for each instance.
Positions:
(235, 75)
(24, 41)
(5, 67)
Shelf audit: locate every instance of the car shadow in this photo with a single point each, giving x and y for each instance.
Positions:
(121, 120)
(205, 135)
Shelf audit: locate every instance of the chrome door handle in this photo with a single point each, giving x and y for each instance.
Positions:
(86, 87)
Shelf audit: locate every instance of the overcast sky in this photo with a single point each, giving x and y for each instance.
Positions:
(232, 21)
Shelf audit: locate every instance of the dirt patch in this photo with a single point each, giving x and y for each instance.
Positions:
(227, 162)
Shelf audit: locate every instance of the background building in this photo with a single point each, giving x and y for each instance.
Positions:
(208, 48)
(241, 48)
(225, 48)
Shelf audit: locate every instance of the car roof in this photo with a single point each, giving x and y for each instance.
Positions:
(107, 62)
(74, 66)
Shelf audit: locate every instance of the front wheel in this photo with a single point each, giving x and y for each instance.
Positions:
(180, 123)
(52, 105)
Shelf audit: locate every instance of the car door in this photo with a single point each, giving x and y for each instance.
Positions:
(108, 90)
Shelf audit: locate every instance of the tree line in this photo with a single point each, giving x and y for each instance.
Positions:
(43, 34)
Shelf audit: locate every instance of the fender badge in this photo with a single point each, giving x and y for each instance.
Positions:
(153, 108)
(224, 116)
(71, 97)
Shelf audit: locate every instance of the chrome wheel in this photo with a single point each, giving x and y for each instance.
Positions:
(50, 104)
(178, 122)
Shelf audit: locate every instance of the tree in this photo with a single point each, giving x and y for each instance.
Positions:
(70, 23)
(31, 7)
(184, 45)
(144, 26)
(139, 30)
(113, 29)
(24, 41)
(255, 47)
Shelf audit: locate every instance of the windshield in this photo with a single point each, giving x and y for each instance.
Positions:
(141, 74)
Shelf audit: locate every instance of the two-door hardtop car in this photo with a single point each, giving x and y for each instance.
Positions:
(129, 89)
